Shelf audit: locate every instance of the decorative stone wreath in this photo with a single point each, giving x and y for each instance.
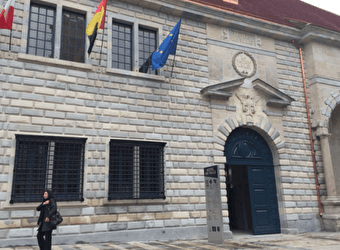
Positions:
(243, 71)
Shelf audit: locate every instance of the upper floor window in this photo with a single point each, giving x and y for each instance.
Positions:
(132, 43)
(147, 44)
(136, 170)
(73, 37)
(42, 32)
(121, 46)
(58, 32)
(41, 25)
(55, 163)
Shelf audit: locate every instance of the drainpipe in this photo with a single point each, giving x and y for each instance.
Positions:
(310, 128)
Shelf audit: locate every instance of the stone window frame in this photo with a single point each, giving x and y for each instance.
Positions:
(47, 160)
(136, 24)
(36, 30)
(64, 50)
(88, 11)
(148, 49)
(59, 6)
(136, 193)
(53, 52)
(126, 61)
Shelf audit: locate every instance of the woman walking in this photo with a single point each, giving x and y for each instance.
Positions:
(47, 208)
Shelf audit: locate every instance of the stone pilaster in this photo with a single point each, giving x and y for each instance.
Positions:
(331, 206)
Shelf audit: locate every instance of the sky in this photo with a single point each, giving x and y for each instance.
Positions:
(329, 5)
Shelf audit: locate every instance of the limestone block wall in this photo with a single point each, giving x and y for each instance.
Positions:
(42, 96)
(323, 83)
(286, 130)
(298, 182)
(328, 97)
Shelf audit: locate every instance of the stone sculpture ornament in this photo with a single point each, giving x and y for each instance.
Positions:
(248, 103)
(244, 64)
(225, 35)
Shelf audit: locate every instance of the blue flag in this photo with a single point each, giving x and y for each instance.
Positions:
(168, 46)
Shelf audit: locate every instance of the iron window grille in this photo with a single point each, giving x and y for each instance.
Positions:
(121, 46)
(41, 27)
(136, 170)
(55, 163)
(73, 37)
(147, 45)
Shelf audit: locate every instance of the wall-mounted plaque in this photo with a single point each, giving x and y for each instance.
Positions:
(242, 38)
(244, 64)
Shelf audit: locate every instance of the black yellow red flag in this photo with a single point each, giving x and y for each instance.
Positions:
(97, 22)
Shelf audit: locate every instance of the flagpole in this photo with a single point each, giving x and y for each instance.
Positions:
(100, 56)
(173, 65)
(10, 41)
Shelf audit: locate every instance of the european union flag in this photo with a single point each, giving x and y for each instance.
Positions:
(159, 57)
(168, 46)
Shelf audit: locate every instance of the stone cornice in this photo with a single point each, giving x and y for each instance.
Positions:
(317, 79)
(276, 97)
(205, 14)
(319, 34)
(240, 47)
(322, 132)
(222, 90)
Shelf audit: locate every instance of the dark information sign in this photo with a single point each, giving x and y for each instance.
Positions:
(213, 205)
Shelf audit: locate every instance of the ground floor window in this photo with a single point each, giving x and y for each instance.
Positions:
(136, 170)
(55, 163)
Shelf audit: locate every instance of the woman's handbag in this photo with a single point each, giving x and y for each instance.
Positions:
(56, 219)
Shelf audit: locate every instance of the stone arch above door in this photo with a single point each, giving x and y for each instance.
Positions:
(330, 103)
(263, 125)
(334, 142)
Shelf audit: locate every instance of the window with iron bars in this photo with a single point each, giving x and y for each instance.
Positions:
(55, 163)
(136, 170)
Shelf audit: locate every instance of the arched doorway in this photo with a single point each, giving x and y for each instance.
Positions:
(334, 143)
(251, 188)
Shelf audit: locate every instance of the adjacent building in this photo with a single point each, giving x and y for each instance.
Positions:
(253, 88)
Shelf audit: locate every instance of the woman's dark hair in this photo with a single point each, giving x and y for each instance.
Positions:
(50, 194)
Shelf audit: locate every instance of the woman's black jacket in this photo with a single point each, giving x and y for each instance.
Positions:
(46, 211)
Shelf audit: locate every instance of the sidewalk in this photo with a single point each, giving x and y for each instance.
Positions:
(308, 241)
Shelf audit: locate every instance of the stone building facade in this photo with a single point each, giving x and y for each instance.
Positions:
(235, 98)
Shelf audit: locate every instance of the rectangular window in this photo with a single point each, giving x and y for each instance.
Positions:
(73, 37)
(55, 163)
(147, 44)
(41, 24)
(121, 46)
(136, 170)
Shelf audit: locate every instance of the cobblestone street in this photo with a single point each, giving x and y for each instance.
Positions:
(310, 241)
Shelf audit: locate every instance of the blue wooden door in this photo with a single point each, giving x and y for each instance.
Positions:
(263, 200)
(245, 147)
